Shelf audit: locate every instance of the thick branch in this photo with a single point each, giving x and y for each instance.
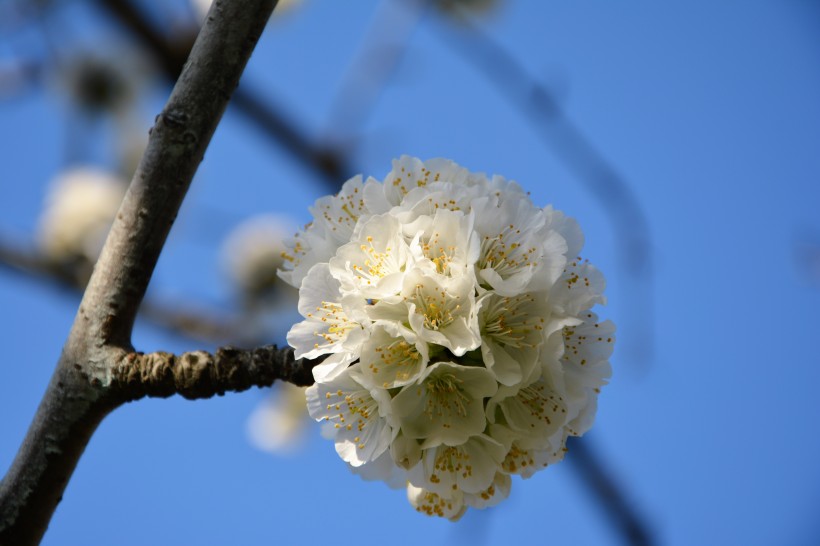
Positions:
(79, 395)
(199, 374)
(178, 142)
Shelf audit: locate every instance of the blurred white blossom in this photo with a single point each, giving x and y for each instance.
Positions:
(278, 424)
(78, 212)
(252, 253)
(454, 318)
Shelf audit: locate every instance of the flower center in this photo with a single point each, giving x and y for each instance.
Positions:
(399, 354)
(452, 460)
(434, 308)
(332, 314)
(438, 253)
(360, 408)
(376, 264)
(509, 323)
(506, 257)
(445, 397)
(540, 406)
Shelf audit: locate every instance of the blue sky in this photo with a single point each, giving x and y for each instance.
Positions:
(708, 110)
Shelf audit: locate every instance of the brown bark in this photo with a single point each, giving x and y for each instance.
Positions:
(199, 374)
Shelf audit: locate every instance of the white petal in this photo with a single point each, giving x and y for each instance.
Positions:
(360, 416)
(495, 493)
(469, 467)
(389, 360)
(580, 287)
(327, 325)
(405, 452)
(446, 405)
(451, 507)
(442, 310)
(371, 265)
(568, 228)
(382, 468)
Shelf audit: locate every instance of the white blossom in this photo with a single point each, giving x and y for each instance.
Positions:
(327, 327)
(393, 356)
(372, 264)
(80, 207)
(446, 404)
(454, 320)
(252, 253)
(277, 425)
(450, 506)
(360, 416)
(469, 467)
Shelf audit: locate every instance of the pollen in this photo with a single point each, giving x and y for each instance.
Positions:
(445, 398)
(436, 306)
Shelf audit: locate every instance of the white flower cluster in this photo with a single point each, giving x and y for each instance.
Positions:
(454, 318)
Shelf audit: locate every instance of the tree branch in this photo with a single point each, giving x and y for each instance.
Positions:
(80, 394)
(384, 46)
(613, 501)
(577, 152)
(199, 374)
(186, 319)
(274, 124)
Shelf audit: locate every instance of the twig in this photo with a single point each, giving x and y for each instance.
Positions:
(199, 374)
(27, 261)
(80, 393)
(170, 54)
(538, 105)
(383, 48)
(613, 501)
(198, 323)
(571, 146)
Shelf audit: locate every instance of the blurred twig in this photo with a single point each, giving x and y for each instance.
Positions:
(23, 260)
(184, 319)
(613, 501)
(806, 251)
(171, 55)
(81, 393)
(18, 76)
(382, 50)
(569, 143)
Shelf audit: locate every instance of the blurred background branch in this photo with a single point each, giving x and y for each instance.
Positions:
(170, 53)
(564, 138)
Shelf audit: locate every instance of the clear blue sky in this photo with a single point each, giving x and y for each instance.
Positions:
(709, 110)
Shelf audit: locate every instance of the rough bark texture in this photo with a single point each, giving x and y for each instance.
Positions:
(199, 374)
(81, 391)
